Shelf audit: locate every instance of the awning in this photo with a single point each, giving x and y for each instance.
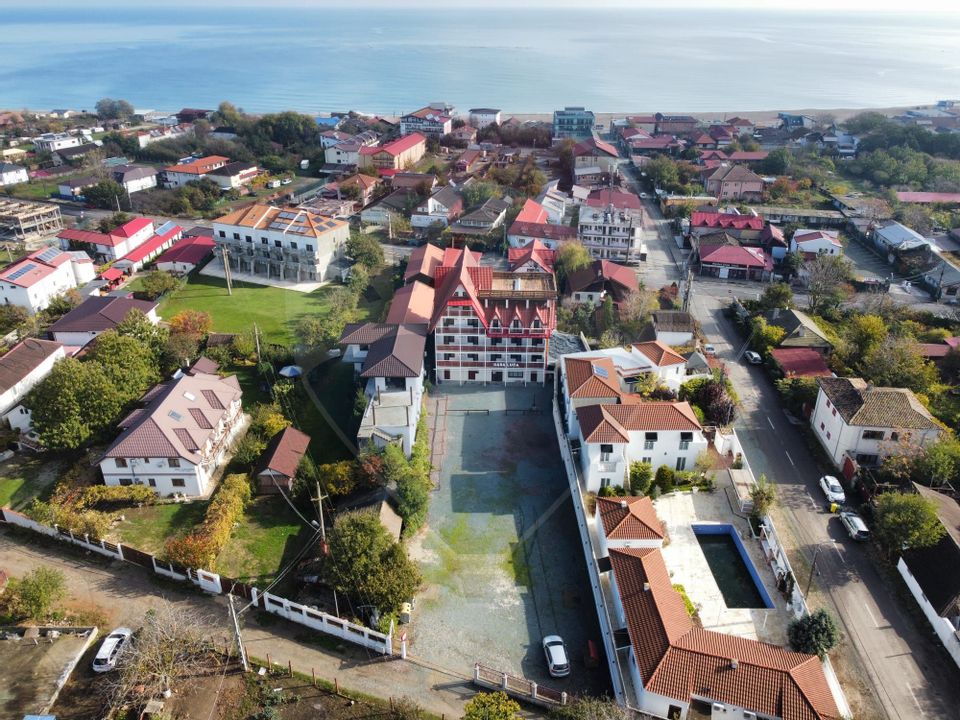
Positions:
(111, 274)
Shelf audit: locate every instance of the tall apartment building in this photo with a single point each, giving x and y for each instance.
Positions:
(491, 326)
(573, 122)
(290, 245)
(434, 120)
(610, 225)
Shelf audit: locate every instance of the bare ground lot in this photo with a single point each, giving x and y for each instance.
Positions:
(500, 556)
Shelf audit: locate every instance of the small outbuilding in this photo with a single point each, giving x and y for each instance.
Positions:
(279, 462)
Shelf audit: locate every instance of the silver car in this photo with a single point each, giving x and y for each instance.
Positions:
(558, 664)
(855, 526)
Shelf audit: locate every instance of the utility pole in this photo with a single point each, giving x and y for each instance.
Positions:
(226, 269)
(323, 539)
(256, 338)
(813, 567)
(236, 633)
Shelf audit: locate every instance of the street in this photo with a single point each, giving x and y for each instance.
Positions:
(906, 672)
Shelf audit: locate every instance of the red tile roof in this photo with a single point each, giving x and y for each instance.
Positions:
(397, 146)
(748, 155)
(190, 250)
(725, 221)
(532, 212)
(733, 255)
(660, 354)
(934, 350)
(591, 378)
(620, 199)
(413, 303)
(285, 451)
(547, 231)
(424, 260)
(801, 362)
(630, 518)
(30, 269)
(593, 146)
(804, 236)
(613, 423)
(929, 197)
(201, 166)
(152, 245)
(534, 251)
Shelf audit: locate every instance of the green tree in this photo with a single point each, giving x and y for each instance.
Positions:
(816, 634)
(112, 222)
(324, 331)
(477, 193)
(906, 520)
(12, 317)
(641, 476)
(110, 109)
(864, 333)
(38, 593)
(777, 295)
(665, 478)
(828, 286)
(339, 478)
(359, 279)
(571, 256)
(158, 282)
(778, 162)
(365, 563)
(663, 172)
(764, 495)
(899, 362)
(609, 313)
(591, 708)
(127, 363)
(939, 463)
(153, 335)
(766, 336)
(106, 194)
(365, 250)
(491, 706)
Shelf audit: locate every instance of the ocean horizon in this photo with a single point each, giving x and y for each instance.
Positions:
(390, 61)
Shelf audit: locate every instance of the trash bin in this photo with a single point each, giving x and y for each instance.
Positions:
(405, 610)
(834, 508)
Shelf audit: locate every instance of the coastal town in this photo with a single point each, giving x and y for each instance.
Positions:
(458, 413)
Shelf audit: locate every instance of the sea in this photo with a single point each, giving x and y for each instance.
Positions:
(390, 61)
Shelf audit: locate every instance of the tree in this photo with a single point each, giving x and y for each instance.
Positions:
(609, 313)
(778, 162)
(365, 250)
(128, 363)
(571, 256)
(477, 193)
(641, 476)
(106, 194)
(828, 281)
(590, 708)
(777, 295)
(192, 323)
(109, 109)
(111, 223)
(339, 478)
(157, 283)
(663, 172)
(359, 279)
(864, 333)
(899, 362)
(267, 419)
(906, 520)
(765, 336)
(665, 478)
(764, 495)
(365, 563)
(491, 706)
(635, 312)
(12, 317)
(816, 634)
(61, 304)
(939, 463)
(179, 350)
(323, 331)
(36, 594)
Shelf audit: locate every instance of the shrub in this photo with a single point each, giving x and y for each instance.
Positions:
(763, 495)
(665, 479)
(115, 496)
(641, 476)
(816, 634)
(248, 449)
(34, 595)
(80, 522)
(687, 602)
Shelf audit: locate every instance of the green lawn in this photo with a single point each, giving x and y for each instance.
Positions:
(35, 190)
(266, 539)
(148, 528)
(275, 311)
(22, 478)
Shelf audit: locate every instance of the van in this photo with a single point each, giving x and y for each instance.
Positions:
(855, 526)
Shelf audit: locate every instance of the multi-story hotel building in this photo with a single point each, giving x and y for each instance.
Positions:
(287, 245)
(610, 224)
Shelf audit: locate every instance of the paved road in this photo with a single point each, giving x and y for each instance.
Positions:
(908, 673)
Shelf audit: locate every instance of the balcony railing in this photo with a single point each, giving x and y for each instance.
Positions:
(606, 467)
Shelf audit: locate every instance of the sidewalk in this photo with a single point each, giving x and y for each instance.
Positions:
(125, 593)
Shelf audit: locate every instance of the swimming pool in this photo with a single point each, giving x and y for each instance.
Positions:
(731, 566)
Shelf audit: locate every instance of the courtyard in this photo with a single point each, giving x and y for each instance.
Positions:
(500, 555)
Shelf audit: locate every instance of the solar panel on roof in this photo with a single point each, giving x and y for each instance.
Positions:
(20, 272)
(600, 372)
(287, 215)
(48, 254)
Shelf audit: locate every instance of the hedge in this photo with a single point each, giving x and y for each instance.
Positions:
(115, 495)
(200, 547)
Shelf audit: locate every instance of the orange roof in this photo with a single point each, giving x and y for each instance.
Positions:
(660, 354)
(631, 518)
(613, 423)
(297, 222)
(678, 660)
(424, 260)
(412, 304)
(364, 182)
(592, 377)
(200, 166)
(533, 212)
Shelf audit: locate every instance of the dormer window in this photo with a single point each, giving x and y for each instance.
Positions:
(515, 325)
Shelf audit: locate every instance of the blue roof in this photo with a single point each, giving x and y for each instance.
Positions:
(328, 121)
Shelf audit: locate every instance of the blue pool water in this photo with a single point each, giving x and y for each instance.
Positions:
(731, 566)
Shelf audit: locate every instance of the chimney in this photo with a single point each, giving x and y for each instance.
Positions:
(623, 504)
(646, 587)
(734, 664)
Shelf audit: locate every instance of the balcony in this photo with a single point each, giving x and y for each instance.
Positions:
(607, 467)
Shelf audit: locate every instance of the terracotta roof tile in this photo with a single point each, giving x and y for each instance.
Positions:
(613, 423)
(592, 377)
(631, 518)
(660, 354)
(284, 452)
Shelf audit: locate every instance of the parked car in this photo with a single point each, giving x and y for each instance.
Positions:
(752, 357)
(106, 658)
(832, 489)
(557, 662)
(855, 526)
(709, 349)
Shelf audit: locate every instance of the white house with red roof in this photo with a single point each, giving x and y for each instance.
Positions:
(186, 254)
(533, 225)
(177, 439)
(810, 243)
(163, 238)
(733, 262)
(393, 156)
(611, 223)
(594, 152)
(193, 170)
(33, 281)
(106, 247)
(433, 120)
(533, 257)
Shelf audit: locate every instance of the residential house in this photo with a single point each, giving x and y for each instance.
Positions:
(412, 304)
(179, 175)
(134, 178)
(396, 155)
(423, 263)
(889, 235)
(469, 160)
(399, 203)
(745, 227)
(432, 121)
(465, 133)
(532, 224)
(13, 154)
(843, 144)
(603, 278)
(186, 254)
(676, 328)
(224, 132)
(485, 218)
(789, 120)
(96, 315)
(748, 156)
(283, 244)
(73, 154)
(440, 209)
(627, 522)
(389, 359)
(932, 574)
(489, 325)
(51, 142)
(347, 152)
(675, 124)
(727, 260)
(379, 502)
(807, 217)
(234, 174)
(73, 188)
(11, 174)
(35, 279)
(668, 144)
(536, 256)
(278, 465)
(773, 242)
(647, 123)
(21, 368)
(610, 224)
(859, 424)
(595, 153)
(801, 330)
(330, 138)
(175, 442)
(810, 243)
(191, 115)
(364, 187)
(163, 238)
(800, 362)
(741, 126)
(573, 122)
(735, 182)
(158, 134)
(107, 247)
(422, 183)
(722, 135)
(481, 117)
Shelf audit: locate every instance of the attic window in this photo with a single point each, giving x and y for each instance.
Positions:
(190, 396)
(175, 415)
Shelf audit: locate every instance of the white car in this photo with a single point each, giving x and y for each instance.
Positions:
(855, 526)
(832, 489)
(709, 349)
(752, 357)
(557, 662)
(643, 196)
(106, 658)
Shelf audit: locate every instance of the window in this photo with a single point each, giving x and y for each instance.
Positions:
(248, 238)
(178, 482)
(448, 356)
(681, 463)
(473, 357)
(648, 440)
(873, 434)
(895, 436)
(647, 460)
(604, 482)
(173, 462)
(222, 234)
(685, 439)
(471, 375)
(293, 245)
(277, 243)
(496, 341)
(309, 248)
(605, 452)
(516, 358)
(448, 339)
(264, 241)
(515, 375)
(121, 462)
(536, 358)
(473, 340)
(473, 322)
(828, 403)
(126, 481)
(152, 482)
(236, 236)
(448, 322)
(446, 374)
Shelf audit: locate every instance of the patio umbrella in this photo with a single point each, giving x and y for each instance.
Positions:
(291, 371)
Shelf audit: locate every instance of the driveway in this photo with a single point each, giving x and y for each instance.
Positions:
(500, 554)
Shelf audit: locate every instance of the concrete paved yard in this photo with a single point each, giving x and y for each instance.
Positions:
(500, 554)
